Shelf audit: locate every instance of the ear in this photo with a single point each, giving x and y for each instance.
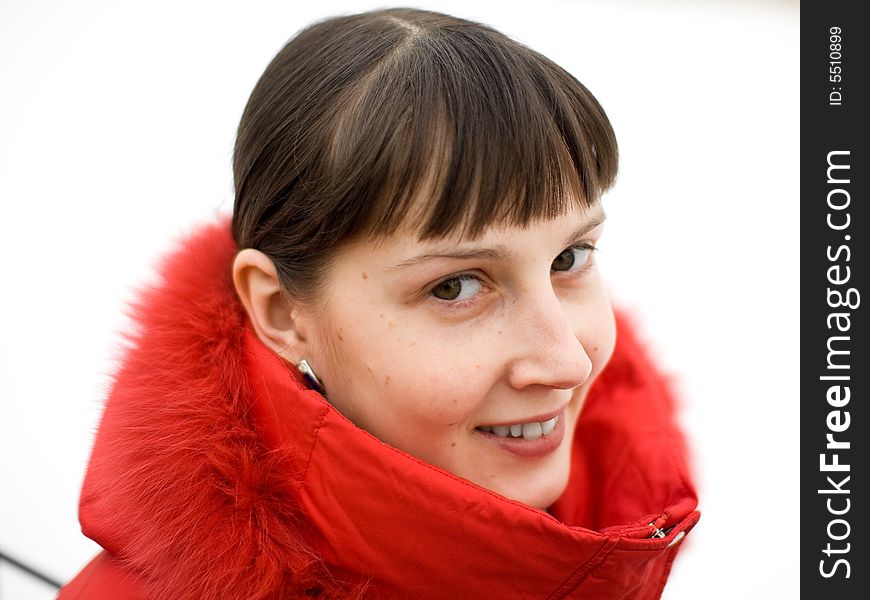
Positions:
(275, 320)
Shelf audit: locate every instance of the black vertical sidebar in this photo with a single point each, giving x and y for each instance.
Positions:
(835, 300)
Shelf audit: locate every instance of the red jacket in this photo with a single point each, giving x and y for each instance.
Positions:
(216, 475)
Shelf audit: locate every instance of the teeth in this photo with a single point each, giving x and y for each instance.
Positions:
(532, 431)
(527, 431)
(548, 426)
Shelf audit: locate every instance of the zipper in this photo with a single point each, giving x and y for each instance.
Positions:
(660, 533)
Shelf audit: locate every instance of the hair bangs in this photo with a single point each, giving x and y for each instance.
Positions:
(411, 120)
(455, 132)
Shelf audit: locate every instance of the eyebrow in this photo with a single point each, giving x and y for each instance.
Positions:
(497, 253)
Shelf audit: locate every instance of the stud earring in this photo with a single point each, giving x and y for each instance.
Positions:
(310, 378)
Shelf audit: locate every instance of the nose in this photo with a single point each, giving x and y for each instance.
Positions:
(548, 351)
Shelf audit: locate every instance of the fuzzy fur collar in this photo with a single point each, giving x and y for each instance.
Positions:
(180, 486)
(214, 473)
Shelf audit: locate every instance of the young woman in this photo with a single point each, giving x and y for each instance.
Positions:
(395, 373)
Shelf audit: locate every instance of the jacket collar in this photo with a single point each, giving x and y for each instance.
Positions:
(215, 473)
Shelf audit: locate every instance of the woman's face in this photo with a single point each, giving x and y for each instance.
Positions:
(475, 356)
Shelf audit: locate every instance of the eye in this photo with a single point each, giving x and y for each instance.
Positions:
(573, 258)
(457, 288)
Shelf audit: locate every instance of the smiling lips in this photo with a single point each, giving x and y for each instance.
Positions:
(527, 431)
(531, 440)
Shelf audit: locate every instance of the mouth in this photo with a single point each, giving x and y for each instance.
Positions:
(532, 430)
(533, 439)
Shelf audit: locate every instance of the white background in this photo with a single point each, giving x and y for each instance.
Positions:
(117, 122)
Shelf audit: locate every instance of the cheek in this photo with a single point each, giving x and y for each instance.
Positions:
(385, 370)
(597, 332)
(438, 382)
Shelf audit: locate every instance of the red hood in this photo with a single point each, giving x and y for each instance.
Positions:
(215, 474)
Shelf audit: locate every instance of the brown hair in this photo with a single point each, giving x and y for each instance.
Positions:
(365, 123)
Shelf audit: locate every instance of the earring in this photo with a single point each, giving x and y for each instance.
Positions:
(310, 378)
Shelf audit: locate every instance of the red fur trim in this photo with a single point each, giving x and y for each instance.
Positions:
(180, 486)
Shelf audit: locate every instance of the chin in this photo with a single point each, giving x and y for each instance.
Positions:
(545, 498)
(540, 489)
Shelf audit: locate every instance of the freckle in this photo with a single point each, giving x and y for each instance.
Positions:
(499, 332)
(413, 343)
(382, 315)
(365, 275)
(453, 445)
(595, 349)
(369, 369)
(389, 324)
(386, 380)
(476, 366)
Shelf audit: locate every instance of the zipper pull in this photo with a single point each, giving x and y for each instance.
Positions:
(659, 533)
